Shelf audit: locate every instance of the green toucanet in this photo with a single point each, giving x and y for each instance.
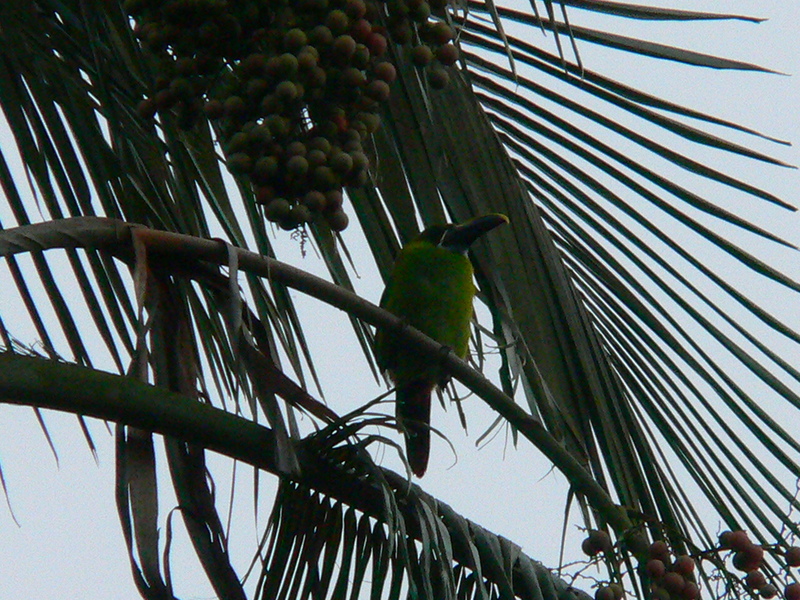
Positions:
(431, 289)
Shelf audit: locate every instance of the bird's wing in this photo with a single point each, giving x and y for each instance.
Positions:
(385, 349)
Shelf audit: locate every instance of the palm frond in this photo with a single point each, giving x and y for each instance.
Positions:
(318, 540)
(632, 348)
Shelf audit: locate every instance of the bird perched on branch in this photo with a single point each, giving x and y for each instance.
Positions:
(431, 289)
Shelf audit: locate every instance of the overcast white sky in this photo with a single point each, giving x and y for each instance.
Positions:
(69, 544)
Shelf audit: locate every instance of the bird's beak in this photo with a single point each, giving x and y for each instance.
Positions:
(463, 235)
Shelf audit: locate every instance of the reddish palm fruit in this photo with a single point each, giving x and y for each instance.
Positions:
(792, 556)
(186, 66)
(254, 64)
(306, 60)
(352, 77)
(341, 162)
(333, 200)
(358, 178)
(213, 109)
(320, 36)
(323, 178)
(754, 555)
(371, 121)
(755, 580)
(378, 90)
(271, 104)
(421, 56)
(343, 47)
(256, 88)
(239, 163)
(659, 550)
(296, 148)
(597, 541)
(360, 58)
(286, 91)
(277, 210)
(691, 591)
(297, 166)
(673, 582)
(278, 126)
(316, 158)
(165, 99)
(300, 214)
(314, 201)
(441, 33)
(792, 591)
(361, 30)
(238, 142)
(768, 591)
(317, 77)
(294, 39)
(338, 22)
(359, 127)
(338, 220)
(265, 194)
(361, 163)
(604, 592)
(376, 43)
(734, 540)
(385, 71)
(287, 65)
(259, 137)
(355, 9)
(146, 108)
(748, 559)
(340, 123)
(438, 78)
(234, 106)
(319, 143)
(265, 169)
(660, 593)
(420, 11)
(684, 565)
(655, 568)
(182, 88)
(447, 54)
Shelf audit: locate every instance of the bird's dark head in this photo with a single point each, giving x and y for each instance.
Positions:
(458, 238)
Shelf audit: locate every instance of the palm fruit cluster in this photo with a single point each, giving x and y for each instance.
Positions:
(748, 558)
(294, 89)
(672, 577)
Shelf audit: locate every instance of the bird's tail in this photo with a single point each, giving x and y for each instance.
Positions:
(414, 416)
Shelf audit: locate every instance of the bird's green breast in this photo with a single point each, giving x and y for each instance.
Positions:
(431, 289)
